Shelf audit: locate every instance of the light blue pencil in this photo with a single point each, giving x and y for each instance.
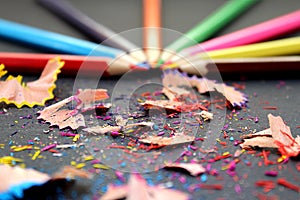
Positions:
(60, 43)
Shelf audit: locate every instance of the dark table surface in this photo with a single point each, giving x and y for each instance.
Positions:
(267, 89)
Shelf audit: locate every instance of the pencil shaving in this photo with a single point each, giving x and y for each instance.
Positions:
(14, 180)
(176, 79)
(194, 169)
(14, 91)
(106, 129)
(58, 114)
(277, 136)
(137, 189)
(163, 104)
(178, 138)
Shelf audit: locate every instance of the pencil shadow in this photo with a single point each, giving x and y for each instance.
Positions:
(54, 190)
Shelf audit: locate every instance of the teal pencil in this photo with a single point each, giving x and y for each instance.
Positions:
(208, 27)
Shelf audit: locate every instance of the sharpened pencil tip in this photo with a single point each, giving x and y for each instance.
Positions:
(159, 63)
(137, 68)
(169, 65)
(143, 65)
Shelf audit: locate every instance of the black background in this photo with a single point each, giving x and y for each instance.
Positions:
(262, 89)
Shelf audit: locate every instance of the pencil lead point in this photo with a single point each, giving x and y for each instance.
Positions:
(141, 66)
(159, 63)
(169, 65)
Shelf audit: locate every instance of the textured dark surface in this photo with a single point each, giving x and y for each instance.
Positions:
(279, 90)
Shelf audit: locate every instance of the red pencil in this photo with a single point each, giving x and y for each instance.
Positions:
(88, 65)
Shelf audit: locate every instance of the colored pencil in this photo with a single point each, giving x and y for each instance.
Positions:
(256, 33)
(287, 46)
(59, 43)
(152, 25)
(208, 27)
(271, 48)
(98, 32)
(244, 65)
(88, 65)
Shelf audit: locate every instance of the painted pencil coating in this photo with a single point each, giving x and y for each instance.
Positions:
(269, 29)
(208, 27)
(287, 46)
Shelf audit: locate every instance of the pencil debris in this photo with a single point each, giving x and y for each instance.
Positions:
(173, 79)
(107, 129)
(14, 91)
(194, 169)
(57, 114)
(277, 136)
(137, 188)
(14, 180)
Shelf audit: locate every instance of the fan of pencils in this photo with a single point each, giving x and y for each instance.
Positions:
(252, 48)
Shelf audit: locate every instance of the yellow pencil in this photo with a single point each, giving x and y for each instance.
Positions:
(272, 48)
(280, 47)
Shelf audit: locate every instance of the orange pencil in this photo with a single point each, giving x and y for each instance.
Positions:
(152, 24)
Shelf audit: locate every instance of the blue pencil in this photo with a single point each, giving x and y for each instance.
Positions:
(60, 43)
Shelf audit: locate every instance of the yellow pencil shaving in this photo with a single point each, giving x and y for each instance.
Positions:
(100, 166)
(169, 66)
(73, 163)
(35, 155)
(129, 131)
(80, 165)
(88, 158)
(9, 160)
(281, 159)
(75, 139)
(2, 71)
(129, 147)
(22, 148)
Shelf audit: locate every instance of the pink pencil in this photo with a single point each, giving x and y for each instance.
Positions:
(256, 33)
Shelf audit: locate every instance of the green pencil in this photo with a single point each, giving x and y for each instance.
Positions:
(208, 27)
